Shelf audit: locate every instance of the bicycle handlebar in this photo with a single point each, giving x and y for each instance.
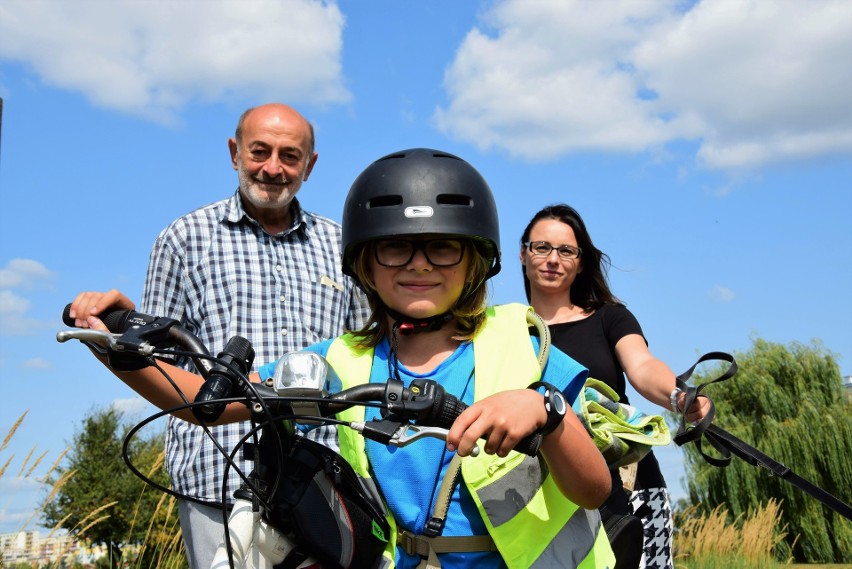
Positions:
(425, 402)
(274, 404)
(141, 333)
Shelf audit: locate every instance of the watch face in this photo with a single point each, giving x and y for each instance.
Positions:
(559, 403)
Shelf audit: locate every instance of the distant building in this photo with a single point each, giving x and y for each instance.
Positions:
(29, 546)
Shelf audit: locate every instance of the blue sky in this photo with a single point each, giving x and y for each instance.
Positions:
(707, 144)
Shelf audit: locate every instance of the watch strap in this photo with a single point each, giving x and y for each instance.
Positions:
(554, 403)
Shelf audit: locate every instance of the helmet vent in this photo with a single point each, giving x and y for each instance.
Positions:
(454, 199)
(384, 201)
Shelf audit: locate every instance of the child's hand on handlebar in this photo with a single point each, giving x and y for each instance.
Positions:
(503, 419)
(88, 305)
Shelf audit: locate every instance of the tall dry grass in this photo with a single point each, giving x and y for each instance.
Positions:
(714, 540)
(161, 548)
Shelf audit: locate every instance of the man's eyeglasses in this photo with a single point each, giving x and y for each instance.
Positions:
(400, 252)
(543, 249)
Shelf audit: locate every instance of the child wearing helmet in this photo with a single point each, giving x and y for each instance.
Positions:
(421, 237)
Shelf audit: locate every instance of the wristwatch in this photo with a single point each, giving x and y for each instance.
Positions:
(554, 404)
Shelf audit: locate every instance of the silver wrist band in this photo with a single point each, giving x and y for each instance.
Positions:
(673, 399)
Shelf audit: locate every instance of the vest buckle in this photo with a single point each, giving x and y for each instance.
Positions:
(434, 527)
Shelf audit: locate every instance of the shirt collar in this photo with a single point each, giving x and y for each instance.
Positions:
(235, 213)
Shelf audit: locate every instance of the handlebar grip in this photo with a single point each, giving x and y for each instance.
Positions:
(117, 320)
(155, 330)
(66, 316)
(445, 411)
(222, 381)
(530, 444)
(448, 407)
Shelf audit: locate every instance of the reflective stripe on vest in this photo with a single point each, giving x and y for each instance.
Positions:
(520, 502)
(532, 523)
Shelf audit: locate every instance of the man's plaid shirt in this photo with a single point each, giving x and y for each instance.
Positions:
(221, 275)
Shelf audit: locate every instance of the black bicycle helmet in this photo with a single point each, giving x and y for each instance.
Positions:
(420, 191)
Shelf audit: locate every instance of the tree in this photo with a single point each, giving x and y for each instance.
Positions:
(788, 402)
(95, 496)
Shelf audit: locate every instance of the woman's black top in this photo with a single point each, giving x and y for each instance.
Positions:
(591, 341)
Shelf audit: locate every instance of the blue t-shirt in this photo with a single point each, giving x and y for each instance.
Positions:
(411, 476)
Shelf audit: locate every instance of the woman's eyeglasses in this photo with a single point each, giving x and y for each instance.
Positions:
(543, 249)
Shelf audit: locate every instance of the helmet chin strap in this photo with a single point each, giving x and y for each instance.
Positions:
(407, 325)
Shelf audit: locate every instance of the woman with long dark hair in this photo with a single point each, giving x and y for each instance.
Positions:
(565, 277)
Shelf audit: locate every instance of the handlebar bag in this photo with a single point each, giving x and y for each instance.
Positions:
(326, 506)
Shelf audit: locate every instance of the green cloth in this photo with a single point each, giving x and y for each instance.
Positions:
(621, 432)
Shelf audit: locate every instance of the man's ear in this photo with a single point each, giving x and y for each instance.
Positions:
(310, 166)
(232, 147)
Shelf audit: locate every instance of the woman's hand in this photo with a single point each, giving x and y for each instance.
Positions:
(697, 411)
(503, 419)
(652, 378)
(88, 305)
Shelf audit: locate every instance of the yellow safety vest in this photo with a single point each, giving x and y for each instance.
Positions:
(532, 523)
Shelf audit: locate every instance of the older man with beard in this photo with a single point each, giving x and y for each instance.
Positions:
(254, 265)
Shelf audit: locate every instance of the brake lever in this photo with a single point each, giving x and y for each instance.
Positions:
(103, 341)
(400, 434)
(97, 337)
(408, 433)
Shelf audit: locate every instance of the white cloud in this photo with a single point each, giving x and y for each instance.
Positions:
(19, 484)
(550, 81)
(11, 304)
(770, 81)
(20, 274)
(21, 496)
(37, 364)
(13, 318)
(23, 273)
(134, 408)
(13, 315)
(150, 58)
(753, 82)
(722, 294)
